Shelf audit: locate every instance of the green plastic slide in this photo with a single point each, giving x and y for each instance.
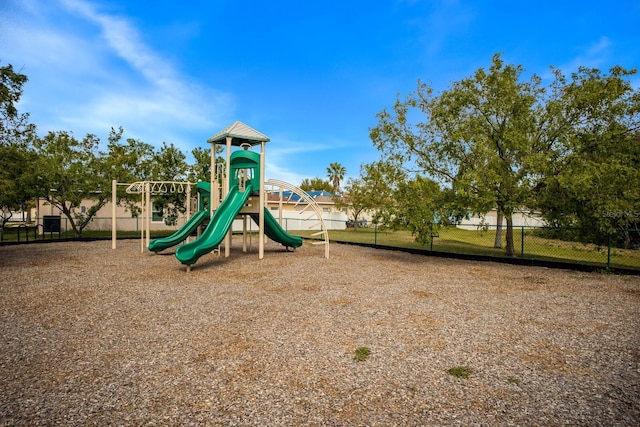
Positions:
(275, 232)
(218, 227)
(185, 231)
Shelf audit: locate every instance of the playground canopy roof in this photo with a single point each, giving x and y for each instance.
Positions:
(240, 134)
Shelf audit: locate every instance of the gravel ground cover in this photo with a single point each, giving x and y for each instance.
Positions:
(95, 336)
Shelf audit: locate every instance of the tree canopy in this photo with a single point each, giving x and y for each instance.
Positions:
(494, 138)
(568, 146)
(316, 184)
(71, 173)
(17, 186)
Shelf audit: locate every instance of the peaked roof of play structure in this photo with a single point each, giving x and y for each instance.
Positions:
(240, 134)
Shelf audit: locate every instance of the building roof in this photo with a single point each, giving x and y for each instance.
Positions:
(240, 134)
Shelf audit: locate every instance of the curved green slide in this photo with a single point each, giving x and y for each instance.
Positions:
(218, 227)
(275, 232)
(157, 245)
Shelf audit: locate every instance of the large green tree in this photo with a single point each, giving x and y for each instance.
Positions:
(593, 188)
(418, 207)
(17, 186)
(200, 170)
(72, 177)
(15, 128)
(127, 161)
(373, 192)
(170, 164)
(493, 137)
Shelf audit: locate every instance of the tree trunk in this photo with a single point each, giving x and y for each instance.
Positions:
(511, 250)
(67, 212)
(498, 241)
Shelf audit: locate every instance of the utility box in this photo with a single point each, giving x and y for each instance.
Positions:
(51, 224)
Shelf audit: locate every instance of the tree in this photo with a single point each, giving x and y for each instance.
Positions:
(316, 184)
(17, 186)
(200, 170)
(374, 191)
(127, 162)
(418, 207)
(170, 164)
(130, 161)
(17, 181)
(486, 138)
(596, 195)
(356, 199)
(593, 187)
(336, 173)
(15, 128)
(71, 177)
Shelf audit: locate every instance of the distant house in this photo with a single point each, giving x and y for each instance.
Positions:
(293, 201)
(521, 218)
(102, 220)
(294, 209)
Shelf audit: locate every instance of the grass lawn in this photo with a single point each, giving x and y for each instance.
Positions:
(479, 242)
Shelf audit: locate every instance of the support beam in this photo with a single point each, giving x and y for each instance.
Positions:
(114, 199)
(227, 240)
(262, 202)
(148, 236)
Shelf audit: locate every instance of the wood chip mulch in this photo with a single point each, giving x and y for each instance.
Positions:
(95, 336)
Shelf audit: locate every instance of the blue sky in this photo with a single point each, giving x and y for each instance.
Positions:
(310, 75)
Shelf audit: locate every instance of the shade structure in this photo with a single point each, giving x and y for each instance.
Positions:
(240, 134)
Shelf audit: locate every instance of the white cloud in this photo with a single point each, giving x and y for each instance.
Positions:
(89, 71)
(291, 160)
(282, 159)
(123, 38)
(595, 55)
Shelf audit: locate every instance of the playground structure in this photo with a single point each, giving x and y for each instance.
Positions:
(146, 189)
(192, 224)
(243, 194)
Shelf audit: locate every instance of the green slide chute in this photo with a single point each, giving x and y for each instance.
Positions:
(275, 232)
(204, 192)
(157, 245)
(218, 227)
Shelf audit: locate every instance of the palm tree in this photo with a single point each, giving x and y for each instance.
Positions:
(335, 173)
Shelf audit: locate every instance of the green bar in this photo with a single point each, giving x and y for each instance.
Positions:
(375, 234)
(609, 252)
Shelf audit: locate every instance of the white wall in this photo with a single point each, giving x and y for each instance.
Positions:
(293, 220)
(520, 219)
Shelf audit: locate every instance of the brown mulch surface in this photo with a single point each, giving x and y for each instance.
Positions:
(95, 336)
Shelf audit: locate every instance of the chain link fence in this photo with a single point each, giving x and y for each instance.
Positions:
(618, 249)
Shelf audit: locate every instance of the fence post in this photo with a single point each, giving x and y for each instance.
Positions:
(375, 234)
(522, 243)
(609, 251)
